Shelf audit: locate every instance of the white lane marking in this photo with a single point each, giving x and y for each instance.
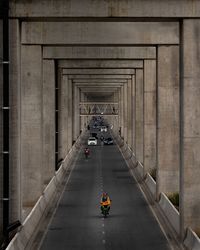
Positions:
(103, 225)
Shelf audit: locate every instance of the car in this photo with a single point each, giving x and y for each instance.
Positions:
(103, 129)
(108, 141)
(92, 141)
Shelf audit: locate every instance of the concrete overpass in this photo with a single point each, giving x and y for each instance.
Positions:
(142, 55)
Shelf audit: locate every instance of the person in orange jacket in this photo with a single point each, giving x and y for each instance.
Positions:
(105, 201)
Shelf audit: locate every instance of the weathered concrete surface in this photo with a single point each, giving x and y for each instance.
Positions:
(70, 114)
(149, 115)
(76, 117)
(168, 120)
(119, 52)
(190, 184)
(139, 115)
(98, 71)
(75, 77)
(31, 126)
(99, 84)
(133, 113)
(99, 81)
(99, 8)
(108, 33)
(129, 112)
(15, 133)
(1, 121)
(125, 111)
(117, 64)
(48, 124)
(63, 132)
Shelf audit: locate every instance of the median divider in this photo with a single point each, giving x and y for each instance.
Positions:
(41, 208)
(192, 241)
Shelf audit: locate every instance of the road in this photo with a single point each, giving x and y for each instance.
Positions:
(78, 223)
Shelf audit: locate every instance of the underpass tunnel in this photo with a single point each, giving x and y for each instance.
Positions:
(137, 67)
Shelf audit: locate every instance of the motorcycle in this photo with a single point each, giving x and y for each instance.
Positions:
(105, 207)
(86, 152)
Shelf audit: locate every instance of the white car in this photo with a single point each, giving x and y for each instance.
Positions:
(92, 141)
(103, 129)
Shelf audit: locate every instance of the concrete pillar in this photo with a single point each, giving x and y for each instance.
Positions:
(15, 113)
(76, 128)
(82, 118)
(190, 156)
(149, 115)
(1, 123)
(168, 120)
(48, 124)
(63, 117)
(70, 115)
(139, 115)
(125, 111)
(31, 123)
(129, 112)
(133, 134)
(121, 104)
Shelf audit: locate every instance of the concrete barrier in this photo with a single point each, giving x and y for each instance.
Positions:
(192, 241)
(151, 184)
(170, 212)
(21, 239)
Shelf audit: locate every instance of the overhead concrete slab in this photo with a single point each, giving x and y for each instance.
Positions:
(99, 8)
(78, 33)
(119, 52)
(99, 84)
(99, 76)
(98, 71)
(122, 64)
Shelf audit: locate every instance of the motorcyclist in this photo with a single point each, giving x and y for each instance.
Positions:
(86, 152)
(105, 201)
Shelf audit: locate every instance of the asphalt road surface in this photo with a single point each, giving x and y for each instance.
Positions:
(78, 223)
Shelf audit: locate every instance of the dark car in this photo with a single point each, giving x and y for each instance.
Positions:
(108, 141)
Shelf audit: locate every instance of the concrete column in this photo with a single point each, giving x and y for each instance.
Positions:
(121, 104)
(63, 117)
(31, 123)
(125, 111)
(139, 115)
(1, 123)
(75, 112)
(133, 134)
(15, 113)
(149, 115)
(168, 120)
(190, 170)
(129, 112)
(48, 124)
(82, 118)
(70, 115)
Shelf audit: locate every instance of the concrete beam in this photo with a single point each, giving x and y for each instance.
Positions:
(98, 8)
(113, 64)
(93, 89)
(99, 81)
(102, 77)
(119, 52)
(100, 85)
(108, 33)
(98, 71)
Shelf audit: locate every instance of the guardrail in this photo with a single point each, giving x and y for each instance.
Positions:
(26, 231)
(192, 241)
